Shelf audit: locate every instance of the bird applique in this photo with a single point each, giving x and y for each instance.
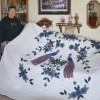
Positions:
(44, 58)
(69, 68)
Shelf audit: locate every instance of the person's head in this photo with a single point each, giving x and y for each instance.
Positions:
(11, 11)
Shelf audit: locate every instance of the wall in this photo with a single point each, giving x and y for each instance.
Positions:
(77, 6)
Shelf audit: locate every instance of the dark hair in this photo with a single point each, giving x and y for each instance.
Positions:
(10, 7)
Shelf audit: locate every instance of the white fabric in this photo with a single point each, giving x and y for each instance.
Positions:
(15, 87)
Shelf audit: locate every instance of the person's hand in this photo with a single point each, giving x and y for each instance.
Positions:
(4, 43)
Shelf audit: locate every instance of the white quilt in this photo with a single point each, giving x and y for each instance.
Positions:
(45, 65)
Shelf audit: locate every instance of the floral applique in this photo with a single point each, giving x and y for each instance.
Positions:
(23, 73)
(81, 55)
(79, 91)
(51, 69)
(70, 37)
(45, 34)
(59, 44)
(95, 45)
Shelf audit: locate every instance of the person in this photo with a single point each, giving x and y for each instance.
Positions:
(0, 51)
(10, 27)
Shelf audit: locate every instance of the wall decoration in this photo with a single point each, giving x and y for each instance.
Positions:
(45, 22)
(76, 19)
(54, 7)
(93, 14)
(62, 20)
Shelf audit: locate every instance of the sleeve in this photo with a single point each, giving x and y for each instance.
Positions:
(1, 31)
(21, 26)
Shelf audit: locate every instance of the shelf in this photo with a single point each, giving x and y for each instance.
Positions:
(60, 25)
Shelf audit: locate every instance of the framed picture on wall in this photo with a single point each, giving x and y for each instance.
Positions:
(54, 7)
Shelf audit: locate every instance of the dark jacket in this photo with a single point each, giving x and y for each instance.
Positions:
(9, 28)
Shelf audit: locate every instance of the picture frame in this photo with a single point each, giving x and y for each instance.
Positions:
(54, 6)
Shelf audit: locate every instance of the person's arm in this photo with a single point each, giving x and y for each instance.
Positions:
(20, 25)
(2, 31)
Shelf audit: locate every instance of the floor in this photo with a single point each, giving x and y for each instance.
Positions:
(4, 98)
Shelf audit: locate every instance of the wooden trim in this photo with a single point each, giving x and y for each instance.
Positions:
(0, 9)
(14, 2)
(27, 18)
